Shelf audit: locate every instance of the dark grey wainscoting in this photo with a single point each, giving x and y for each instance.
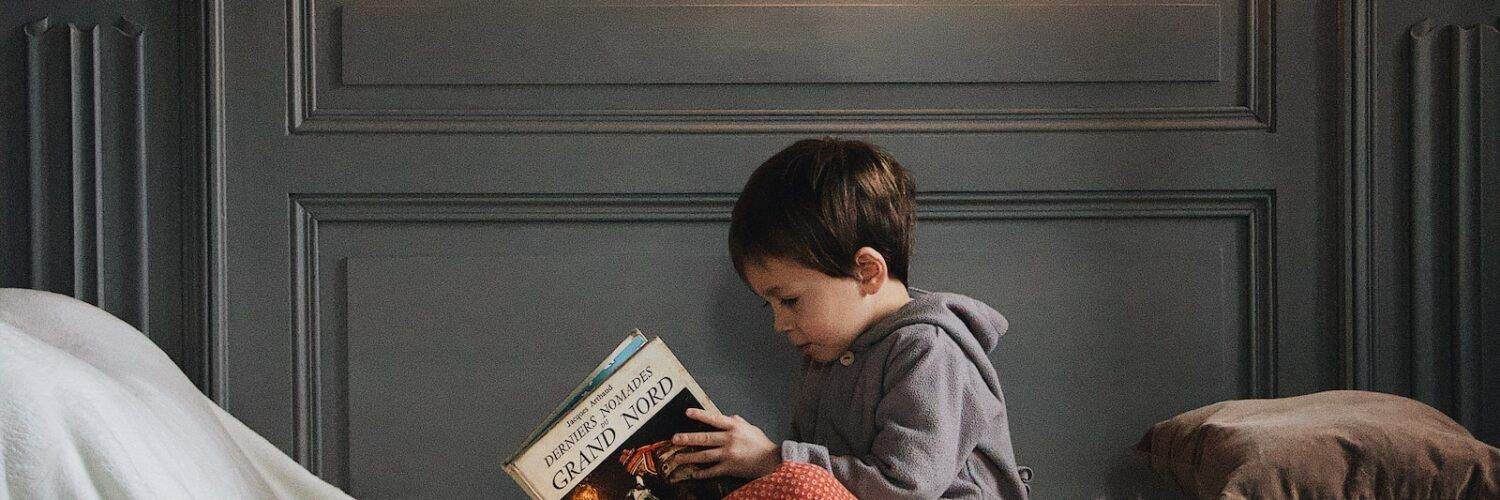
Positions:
(387, 236)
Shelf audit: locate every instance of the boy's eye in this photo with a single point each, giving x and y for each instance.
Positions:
(785, 302)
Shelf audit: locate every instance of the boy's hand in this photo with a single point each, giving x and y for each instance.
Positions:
(737, 449)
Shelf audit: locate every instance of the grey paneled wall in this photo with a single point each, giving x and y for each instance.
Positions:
(1175, 203)
(432, 213)
(86, 109)
(1455, 134)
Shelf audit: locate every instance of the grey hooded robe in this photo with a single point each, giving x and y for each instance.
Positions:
(917, 412)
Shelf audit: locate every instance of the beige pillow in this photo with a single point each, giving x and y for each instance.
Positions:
(1335, 444)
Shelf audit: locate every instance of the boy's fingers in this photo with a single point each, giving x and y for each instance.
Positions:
(700, 457)
(709, 439)
(709, 418)
(717, 470)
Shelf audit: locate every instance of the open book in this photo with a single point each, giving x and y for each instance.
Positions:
(612, 436)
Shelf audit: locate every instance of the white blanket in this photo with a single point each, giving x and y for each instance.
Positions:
(91, 408)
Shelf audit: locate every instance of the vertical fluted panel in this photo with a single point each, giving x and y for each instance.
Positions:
(1465, 268)
(1474, 145)
(1429, 264)
(85, 106)
(49, 81)
(121, 133)
(1487, 345)
(1455, 95)
(86, 123)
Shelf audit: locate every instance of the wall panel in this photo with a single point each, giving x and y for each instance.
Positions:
(514, 67)
(467, 309)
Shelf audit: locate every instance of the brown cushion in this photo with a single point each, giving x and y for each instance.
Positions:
(1335, 444)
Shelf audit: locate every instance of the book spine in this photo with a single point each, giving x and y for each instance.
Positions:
(515, 473)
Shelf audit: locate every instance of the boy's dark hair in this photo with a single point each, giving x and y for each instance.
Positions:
(818, 201)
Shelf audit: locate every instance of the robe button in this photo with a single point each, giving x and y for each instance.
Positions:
(847, 359)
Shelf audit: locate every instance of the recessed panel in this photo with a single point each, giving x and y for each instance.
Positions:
(803, 66)
(509, 44)
(461, 335)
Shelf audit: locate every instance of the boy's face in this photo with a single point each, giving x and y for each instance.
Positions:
(819, 314)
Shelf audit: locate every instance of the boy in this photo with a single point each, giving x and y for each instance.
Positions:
(897, 396)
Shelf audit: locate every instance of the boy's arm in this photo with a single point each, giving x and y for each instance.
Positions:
(927, 423)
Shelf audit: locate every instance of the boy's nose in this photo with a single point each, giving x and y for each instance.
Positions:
(782, 326)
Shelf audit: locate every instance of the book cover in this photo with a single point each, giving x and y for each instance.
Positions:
(611, 437)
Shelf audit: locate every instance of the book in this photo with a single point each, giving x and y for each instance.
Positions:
(611, 437)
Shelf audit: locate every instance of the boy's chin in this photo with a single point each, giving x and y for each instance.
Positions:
(820, 356)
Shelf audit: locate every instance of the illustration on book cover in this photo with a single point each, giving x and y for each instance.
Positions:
(639, 468)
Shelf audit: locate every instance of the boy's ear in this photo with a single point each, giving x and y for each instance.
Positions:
(869, 269)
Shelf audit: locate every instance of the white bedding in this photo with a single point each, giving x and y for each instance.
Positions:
(91, 408)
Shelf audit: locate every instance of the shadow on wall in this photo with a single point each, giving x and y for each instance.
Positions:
(754, 367)
(1132, 478)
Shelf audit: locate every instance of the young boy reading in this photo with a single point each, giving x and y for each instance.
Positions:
(897, 396)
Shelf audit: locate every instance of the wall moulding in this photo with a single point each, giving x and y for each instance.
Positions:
(323, 25)
(1253, 211)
